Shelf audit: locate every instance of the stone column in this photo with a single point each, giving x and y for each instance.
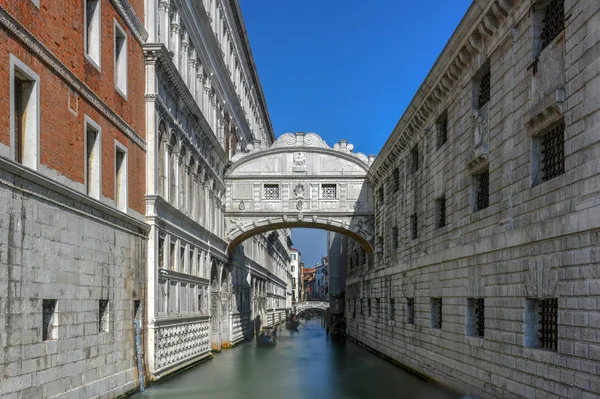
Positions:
(184, 57)
(175, 39)
(163, 23)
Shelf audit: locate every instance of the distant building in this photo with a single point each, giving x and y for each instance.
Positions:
(308, 283)
(322, 279)
(296, 272)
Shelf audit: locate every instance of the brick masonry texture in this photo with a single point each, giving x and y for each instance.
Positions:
(533, 241)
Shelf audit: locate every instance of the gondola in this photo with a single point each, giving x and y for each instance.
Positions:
(267, 337)
(292, 324)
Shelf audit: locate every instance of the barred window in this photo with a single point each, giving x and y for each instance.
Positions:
(414, 232)
(396, 180)
(380, 195)
(392, 309)
(541, 323)
(553, 152)
(436, 313)
(329, 191)
(440, 212)
(410, 310)
(414, 159)
(369, 307)
(482, 190)
(271, 191)
(394, 237)
(554, 21)
(484, 89)
(475, 317)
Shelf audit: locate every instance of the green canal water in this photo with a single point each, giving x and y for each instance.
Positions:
(304, 365)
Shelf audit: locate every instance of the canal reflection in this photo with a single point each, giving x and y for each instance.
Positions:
(305, 364)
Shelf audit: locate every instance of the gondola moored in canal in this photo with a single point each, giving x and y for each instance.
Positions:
(267, 337)
(292, 323)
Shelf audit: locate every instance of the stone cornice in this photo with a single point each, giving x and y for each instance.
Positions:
(483, 27)
(128, 15)
(46, 56)
(241, 28)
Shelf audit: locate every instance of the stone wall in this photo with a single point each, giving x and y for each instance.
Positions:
(58, 245)
(537, 240)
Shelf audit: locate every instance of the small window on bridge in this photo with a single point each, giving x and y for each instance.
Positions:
(271, 191)
(329, 191)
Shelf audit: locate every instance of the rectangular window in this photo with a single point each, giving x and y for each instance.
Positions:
(183, 295)
(120, 59)
(414, 232)
(103, 315)
(293, 268)
(369, 307)
(395, 237)
(484, 89)
(441, 130)
(380, 195)
(271, 191)
(25, 113)
(552, 152)
(440, 212)
(475, 317)
(92, 31)
(414, 159)
(49, 320)
(173, 299)
(410, 310)
(137, 310)
(163, 290)
(541, 323)
(93, 160)
(191, 262)
(396, 180)
(392, 309)
(482, 190)
(329, 191)
(377, 307)
(554, 21)
(354, 309)
(121, 177)
(362, 310)
(172, 256)
(436, 313)
(181, 265)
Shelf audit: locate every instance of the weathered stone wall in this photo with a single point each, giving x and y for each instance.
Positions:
(536, 240)
(56, 244)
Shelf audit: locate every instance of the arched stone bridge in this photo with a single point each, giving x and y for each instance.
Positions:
(299, 182)
(302, 306)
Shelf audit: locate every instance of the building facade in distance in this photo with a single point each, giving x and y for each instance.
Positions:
(296, 272)
(72, 184)
(485, 275)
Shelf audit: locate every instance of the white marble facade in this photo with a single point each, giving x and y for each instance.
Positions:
(203, 104)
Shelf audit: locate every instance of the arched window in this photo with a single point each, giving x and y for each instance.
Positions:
(182, 179)
(162, 158)
(172, 166)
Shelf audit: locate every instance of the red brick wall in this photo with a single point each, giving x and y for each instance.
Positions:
(61, 132)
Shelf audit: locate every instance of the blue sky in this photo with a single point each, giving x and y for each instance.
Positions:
(345, 69)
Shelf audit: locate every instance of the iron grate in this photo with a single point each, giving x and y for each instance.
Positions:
(549, 324)
(483, 190)
(436, 309)
(271, 191)
(554, 22)
(441, 211)
(410, 310)
(329, 191)
(480, 316)
(414, 232)
(485, 87)
(553, 152)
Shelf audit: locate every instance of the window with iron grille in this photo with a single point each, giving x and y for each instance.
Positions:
(329, 191)
(395, 237)
(541, 323)
(441, 127)
(396, 180)
(392, 309)
(380, 195)
(440, 212)
(475, 317)
(484, 91)
(271, 191)
(414, 159)
(362, 309)
(414, 232)
(377, 307)
(554, 21)
(482, 190)
(369, 307)
(354, 309)
(436, 312)
(410, 310)
(553, 152)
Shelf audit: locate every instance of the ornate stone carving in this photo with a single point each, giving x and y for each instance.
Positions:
(299, 191)
(177, 343)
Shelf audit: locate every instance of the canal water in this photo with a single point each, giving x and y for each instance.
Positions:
(304, 365)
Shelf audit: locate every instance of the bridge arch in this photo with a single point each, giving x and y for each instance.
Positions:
(299, 181)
